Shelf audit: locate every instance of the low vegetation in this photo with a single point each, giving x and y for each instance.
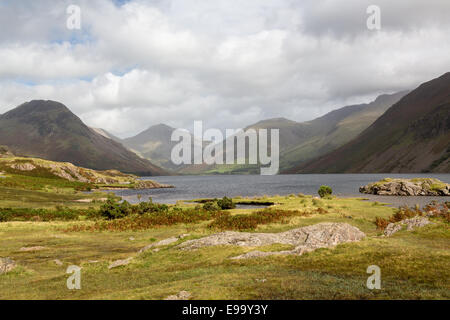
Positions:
(92, 230)
(325, 191)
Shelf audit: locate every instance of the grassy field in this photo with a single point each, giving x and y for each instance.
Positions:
(414, 264)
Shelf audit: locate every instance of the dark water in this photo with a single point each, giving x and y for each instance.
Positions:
(346, 185)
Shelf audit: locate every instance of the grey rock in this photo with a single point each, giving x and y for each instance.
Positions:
(164, 242)
(36, 248)
(6, 265)
(392, 228)
(407, 187)
(321, 235)
(58, 262)
(119, 263)
(411, 224)
(182, 295)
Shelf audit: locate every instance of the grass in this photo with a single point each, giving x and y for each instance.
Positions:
(414, 264)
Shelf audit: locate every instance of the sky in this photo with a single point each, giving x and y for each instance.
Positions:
(229, 63)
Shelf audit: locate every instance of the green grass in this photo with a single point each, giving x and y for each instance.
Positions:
(414, 264)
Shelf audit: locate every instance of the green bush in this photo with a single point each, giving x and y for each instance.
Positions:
(325, 191)
(226, 203)
(211, 206)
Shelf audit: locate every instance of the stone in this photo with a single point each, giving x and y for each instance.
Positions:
(407, 187)
(27, 249)
(305, 239)
(120, 263)
(182, 295)
(411, 224)
(58, 262)
(164, 242)
(392, 228)
(6, 265)
(416, 222)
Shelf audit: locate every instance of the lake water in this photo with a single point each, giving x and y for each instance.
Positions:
(217, 186)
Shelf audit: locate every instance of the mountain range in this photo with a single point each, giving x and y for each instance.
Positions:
(411, 136)
(400, 132)
(299, 141)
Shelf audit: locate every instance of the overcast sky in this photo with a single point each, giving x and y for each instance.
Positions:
(229, 63)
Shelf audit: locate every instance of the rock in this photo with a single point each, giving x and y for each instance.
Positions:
(411, 224)
(164, 242)
(416, 222)
(22, 166)
(27, 249)
(182, 295)
(119, 263)
(261, 280)
(407, 187)
(321, 235)
(391, 229)
(131, 238)
(58, 262)
(6, 265)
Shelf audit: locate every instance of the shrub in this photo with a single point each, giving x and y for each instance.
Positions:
(226, 203)
(211, 206)
(225, 221)
(112, 209)
(325, 191)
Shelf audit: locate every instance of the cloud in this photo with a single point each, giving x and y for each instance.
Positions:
(230, 63)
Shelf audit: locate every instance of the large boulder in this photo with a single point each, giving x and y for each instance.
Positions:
(305, 239)
(407, 187)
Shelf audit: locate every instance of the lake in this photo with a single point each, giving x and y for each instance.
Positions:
(217, 186)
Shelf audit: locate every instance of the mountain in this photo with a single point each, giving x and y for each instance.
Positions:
(49, 130)
(336, 128)
(154, 144)
(301, 142)
(106, 134)
(411, 136)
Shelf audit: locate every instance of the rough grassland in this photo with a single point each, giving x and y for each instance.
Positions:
(414, 264)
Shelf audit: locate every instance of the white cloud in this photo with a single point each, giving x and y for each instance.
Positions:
(227, 62)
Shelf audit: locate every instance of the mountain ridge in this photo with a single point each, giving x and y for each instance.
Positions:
(48, 129)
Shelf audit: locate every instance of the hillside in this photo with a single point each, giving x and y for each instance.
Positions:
(300, 142)
(154, 144)
(49, 130)
(412, 136)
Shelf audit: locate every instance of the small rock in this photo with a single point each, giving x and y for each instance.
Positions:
(391, 229)
(6, 265)
(119, 263)
(27, 249)
(261, 280)
(416, 222)
(164, 242)
(182, 295)
(132, 238)
(411, 224)
(93, 261)
(156, 250)
(58, 262)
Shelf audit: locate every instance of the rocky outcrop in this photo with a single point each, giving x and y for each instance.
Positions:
(305, 239)
(70, 172)
(6, 265)
(411, 224)
(407, 187)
